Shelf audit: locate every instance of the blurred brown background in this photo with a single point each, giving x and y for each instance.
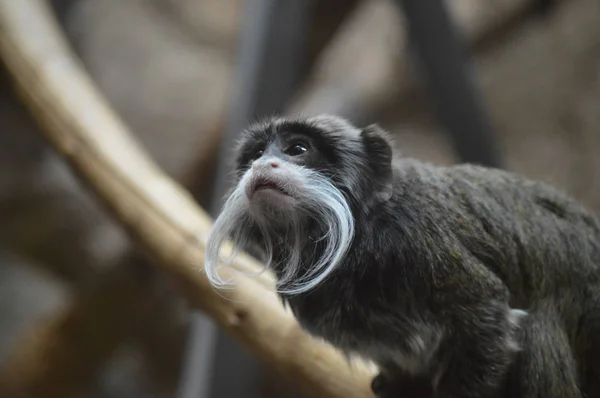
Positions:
(74, 323)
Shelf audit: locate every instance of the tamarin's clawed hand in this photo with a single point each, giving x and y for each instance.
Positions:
(476, 282)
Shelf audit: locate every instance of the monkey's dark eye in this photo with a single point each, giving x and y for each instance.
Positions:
(296, 149)
(257, 154)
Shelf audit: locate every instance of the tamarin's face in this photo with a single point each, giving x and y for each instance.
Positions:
(298, 180)
(285, 166)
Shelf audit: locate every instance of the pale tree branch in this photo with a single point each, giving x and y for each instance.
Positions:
(157, 213)
(122, 306)
(68, 367)
(62, 355)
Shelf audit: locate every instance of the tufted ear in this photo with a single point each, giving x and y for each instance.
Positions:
(378, 150)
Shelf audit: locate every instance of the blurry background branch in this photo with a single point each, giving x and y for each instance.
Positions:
(61, 357)
(384, 77)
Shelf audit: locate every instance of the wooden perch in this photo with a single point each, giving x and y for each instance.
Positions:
(60, 357)
(156, 212)
(64, 354)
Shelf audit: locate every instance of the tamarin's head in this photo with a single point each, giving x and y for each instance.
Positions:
(298, 185)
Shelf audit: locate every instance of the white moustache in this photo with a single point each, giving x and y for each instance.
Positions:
(317, 198)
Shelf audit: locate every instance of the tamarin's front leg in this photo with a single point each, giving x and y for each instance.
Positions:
(545, 367)
(590, 333)
(478, 354)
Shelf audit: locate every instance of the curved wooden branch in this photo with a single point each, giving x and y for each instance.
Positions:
(157, 213)
(65, 352)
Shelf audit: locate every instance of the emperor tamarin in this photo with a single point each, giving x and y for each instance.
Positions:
(475, 282)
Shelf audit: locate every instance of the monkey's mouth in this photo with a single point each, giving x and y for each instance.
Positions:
(266, 185)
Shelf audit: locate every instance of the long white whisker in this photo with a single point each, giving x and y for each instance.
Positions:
(319, 200)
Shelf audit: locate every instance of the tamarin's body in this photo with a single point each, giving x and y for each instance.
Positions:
(457, 281)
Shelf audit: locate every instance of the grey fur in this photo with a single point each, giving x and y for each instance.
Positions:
(476, 282)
